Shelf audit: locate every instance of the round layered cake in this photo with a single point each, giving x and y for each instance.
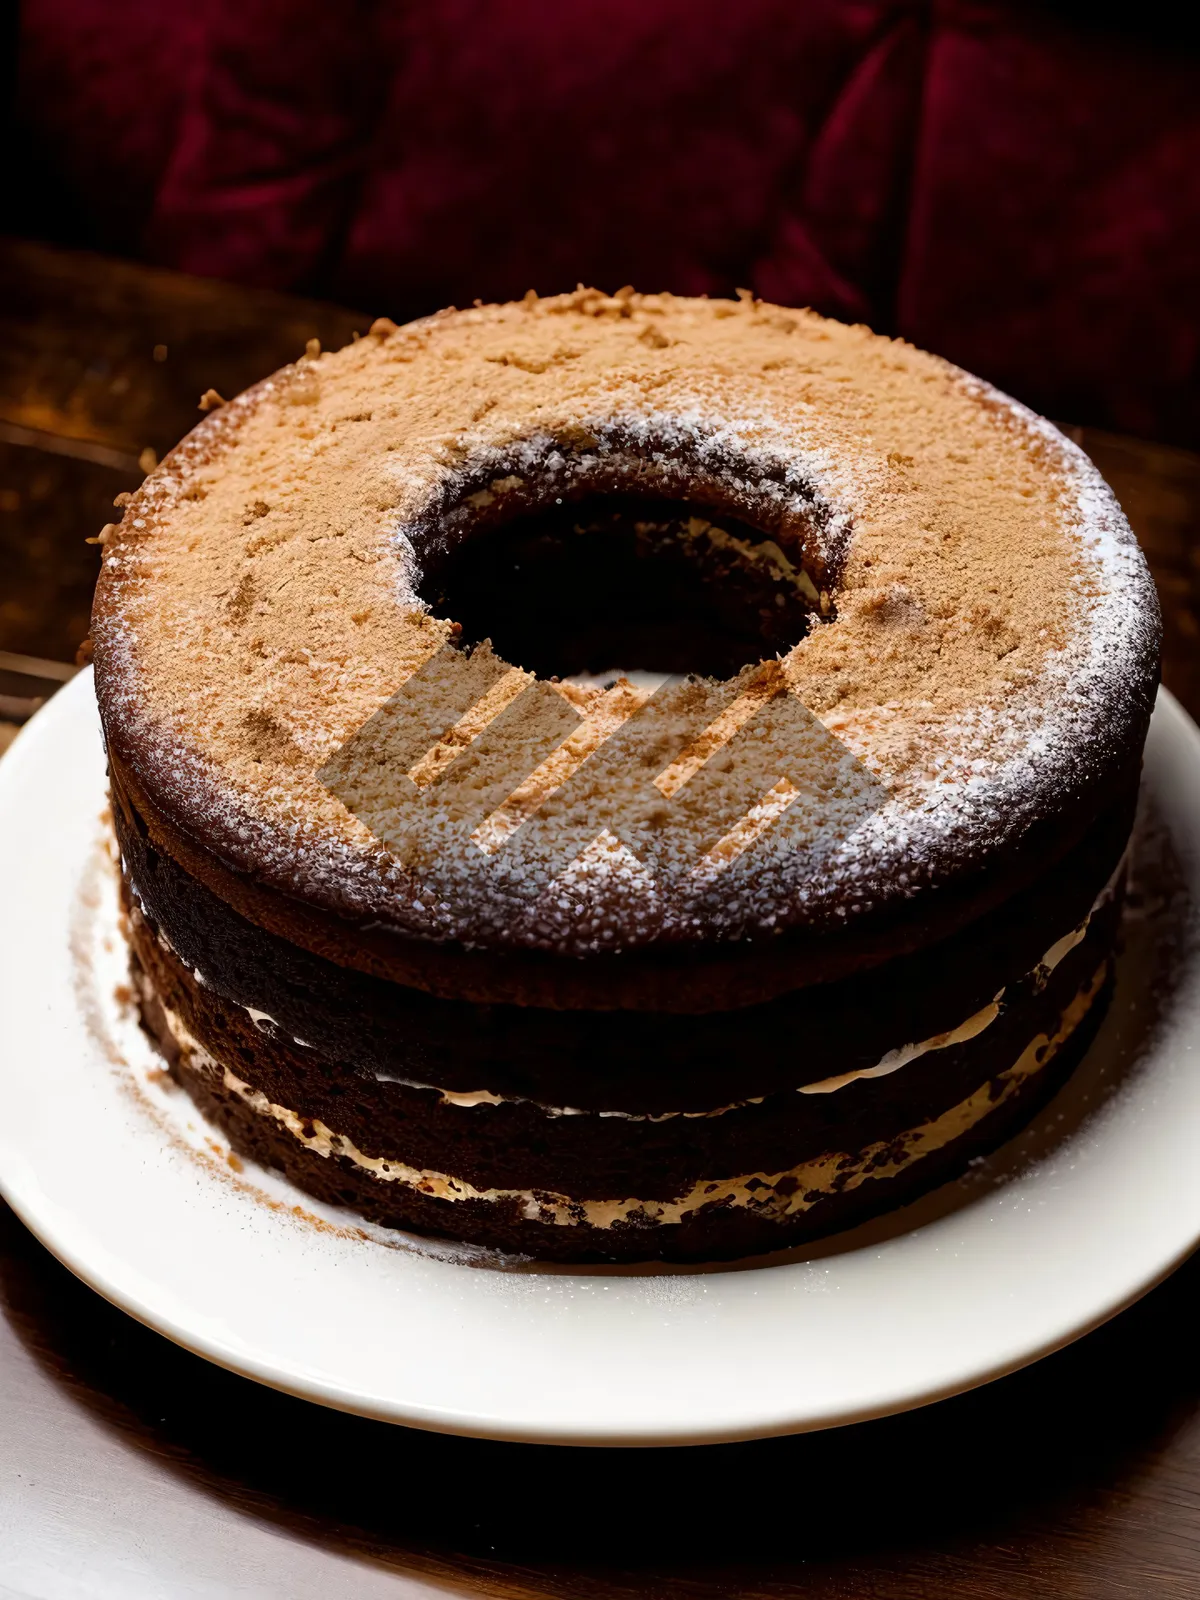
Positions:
(623, 777)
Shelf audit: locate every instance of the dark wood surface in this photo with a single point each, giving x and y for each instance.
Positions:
(130, 1468)
(102, 366)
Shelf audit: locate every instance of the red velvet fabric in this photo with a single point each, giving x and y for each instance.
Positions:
(1018, 193)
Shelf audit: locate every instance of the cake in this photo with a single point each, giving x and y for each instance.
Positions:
(622, 777)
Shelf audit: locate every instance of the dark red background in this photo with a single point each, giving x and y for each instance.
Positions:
(1014, 187)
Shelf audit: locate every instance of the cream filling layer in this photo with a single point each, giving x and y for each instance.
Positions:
(777, 1195)
(889, 1063)
(902, 1056)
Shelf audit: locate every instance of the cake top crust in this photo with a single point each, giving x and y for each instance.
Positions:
(982, 655)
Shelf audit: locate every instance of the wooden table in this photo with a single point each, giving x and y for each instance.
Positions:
(129, 1468)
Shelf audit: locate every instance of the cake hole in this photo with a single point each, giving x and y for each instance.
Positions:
(623, 582)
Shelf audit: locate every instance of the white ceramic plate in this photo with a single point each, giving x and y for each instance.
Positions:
(115, 1171)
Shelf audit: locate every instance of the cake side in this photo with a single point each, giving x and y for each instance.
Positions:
(613, 1058)
(644, 1206)
(767, 1140)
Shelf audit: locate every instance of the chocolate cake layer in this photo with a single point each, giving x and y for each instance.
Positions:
(491, 1141)
(852, 1124)
(752, 1213)
(709, 978)
(613, 1060)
